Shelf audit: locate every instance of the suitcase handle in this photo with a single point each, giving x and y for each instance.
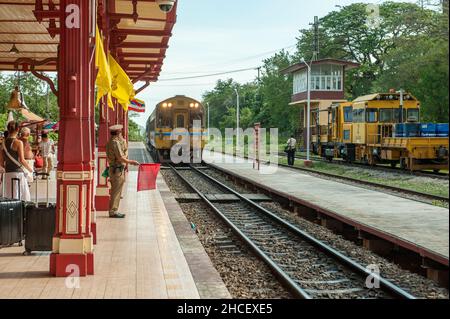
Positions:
(17, 180)
(47, 204)
(41, 174)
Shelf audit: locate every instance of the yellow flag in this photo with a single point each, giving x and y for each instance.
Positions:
(104, 78)
(122, 87)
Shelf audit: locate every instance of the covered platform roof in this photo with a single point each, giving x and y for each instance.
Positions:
(139, 33)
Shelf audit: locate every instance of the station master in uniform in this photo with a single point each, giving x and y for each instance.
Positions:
(117, 154)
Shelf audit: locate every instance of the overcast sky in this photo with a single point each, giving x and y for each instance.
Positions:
(212, 36)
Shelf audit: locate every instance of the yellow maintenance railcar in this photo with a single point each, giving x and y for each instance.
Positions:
(365, 131)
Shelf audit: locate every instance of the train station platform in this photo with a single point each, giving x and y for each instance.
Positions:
(151, 254)
(413, 225)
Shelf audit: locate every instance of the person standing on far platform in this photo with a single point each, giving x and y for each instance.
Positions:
(117, 159)
(47, 149)
(290, 150)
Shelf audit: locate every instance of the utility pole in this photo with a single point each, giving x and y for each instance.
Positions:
(207, 103)
(308, 116)
(259, 97)
(237, 118)
(316, 48)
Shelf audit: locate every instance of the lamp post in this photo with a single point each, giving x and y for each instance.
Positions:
(207, 103)
(237, 118)
(308, 115)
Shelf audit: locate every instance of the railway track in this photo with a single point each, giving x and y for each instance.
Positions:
(439, 175)
(390, 189)
(306, 266)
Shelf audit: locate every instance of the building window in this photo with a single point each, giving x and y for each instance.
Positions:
(300, 81)
(325, 77)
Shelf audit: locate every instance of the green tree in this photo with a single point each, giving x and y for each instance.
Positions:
(134, 131)
(39, 99)
(346, 34)
(276, 92)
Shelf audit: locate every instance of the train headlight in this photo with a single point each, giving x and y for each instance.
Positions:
(169, 105)
(164, 105)
(197, 105)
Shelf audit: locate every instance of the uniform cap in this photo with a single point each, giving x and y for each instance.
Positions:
(116, 128)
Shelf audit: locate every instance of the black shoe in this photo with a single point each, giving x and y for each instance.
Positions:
(117, 215)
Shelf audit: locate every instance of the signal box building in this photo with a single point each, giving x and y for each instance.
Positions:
(327, 88)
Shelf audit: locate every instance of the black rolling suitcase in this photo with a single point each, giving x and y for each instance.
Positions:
(40, 222)
(11, 219)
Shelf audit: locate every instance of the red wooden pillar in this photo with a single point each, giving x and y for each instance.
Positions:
(102, 191)
(72, 242)
(93, 141)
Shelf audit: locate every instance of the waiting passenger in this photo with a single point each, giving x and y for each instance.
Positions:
(16, 167)
(290, 150)
(47, 150)
(28, 152)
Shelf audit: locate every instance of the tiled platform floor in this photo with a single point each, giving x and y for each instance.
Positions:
(142, 256)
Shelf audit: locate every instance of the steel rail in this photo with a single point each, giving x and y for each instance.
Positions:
(444, 176)
(362, 271)
(367, 183)
(371, 184)
(290, 284)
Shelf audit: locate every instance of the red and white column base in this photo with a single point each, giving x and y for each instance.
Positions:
(75, 257)
(73, 243)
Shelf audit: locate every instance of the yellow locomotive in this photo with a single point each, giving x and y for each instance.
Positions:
(373, 130)
(169, 116)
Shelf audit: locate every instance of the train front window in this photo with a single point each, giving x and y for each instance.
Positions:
(164, 120)
(348, 114)
(413, 115)
(397, 117)
(180, 120)
(386, 115)
(358, 116)
(372, 115)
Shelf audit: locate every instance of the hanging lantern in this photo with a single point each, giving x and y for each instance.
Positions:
(14, 50)
(16, 101)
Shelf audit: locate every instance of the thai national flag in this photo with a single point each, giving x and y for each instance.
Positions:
(137, 106)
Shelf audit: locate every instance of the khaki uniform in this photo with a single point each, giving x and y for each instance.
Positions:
(115, 149)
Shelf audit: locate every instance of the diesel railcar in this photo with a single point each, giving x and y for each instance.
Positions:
(178, 112)
(370, 130)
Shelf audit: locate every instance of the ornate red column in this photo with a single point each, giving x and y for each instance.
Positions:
(93, 140)
(73, 242)
(102, 191)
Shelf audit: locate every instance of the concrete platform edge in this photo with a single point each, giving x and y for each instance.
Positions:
(208, 281)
